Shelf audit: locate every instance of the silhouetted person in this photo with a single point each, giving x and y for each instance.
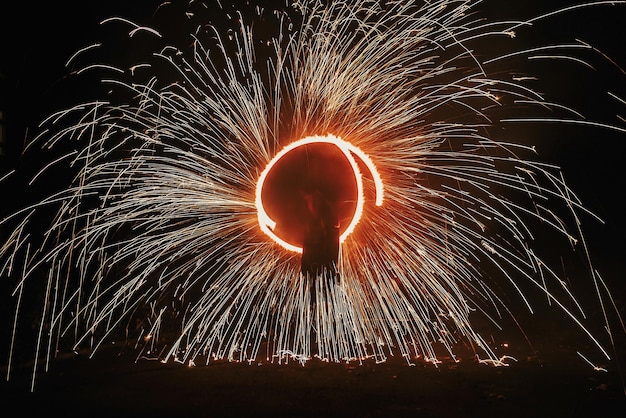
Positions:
(320, 247)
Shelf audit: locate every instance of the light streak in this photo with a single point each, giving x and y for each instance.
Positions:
(267, 224)
(163, 223)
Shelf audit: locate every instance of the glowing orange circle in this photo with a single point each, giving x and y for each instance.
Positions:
(267, 224)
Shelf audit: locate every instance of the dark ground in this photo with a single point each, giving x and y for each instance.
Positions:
(115, 386)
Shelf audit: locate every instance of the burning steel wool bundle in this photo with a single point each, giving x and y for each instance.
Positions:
(329, 179)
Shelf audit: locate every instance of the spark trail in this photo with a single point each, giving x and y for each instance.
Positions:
(160, 235)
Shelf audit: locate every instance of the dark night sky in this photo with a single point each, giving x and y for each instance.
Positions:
(36, 42)
(33, 83)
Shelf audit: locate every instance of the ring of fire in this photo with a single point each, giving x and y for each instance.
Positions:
(329, 149)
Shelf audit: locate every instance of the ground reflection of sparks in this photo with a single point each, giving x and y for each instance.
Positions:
(157, 236)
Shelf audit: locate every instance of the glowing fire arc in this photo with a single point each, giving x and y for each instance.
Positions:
(349, 150)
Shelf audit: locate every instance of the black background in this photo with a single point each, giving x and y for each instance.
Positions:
(37, 39)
